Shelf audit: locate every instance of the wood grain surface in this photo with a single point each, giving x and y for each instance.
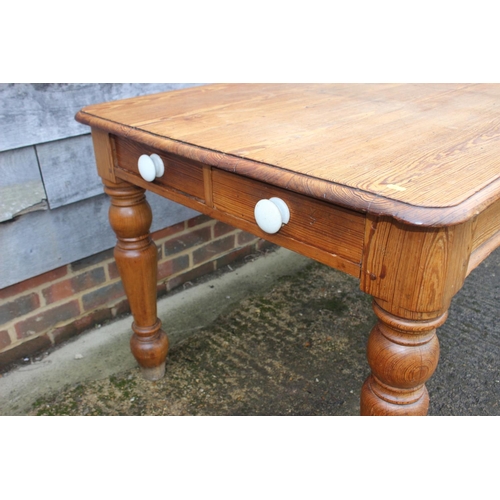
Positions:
(185, 176)
(136, 256)
(423, 153)
(336, 230)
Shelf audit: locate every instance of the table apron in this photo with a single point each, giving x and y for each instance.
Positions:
(326, 233)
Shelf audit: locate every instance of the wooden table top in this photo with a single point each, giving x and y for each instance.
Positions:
(427, 154)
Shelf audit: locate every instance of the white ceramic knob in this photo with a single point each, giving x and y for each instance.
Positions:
(150, 167)
(271, 214)
(159, 167)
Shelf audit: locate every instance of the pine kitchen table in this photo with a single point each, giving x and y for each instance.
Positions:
(395, 184)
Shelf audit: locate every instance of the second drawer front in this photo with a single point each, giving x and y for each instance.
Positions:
(333, 229)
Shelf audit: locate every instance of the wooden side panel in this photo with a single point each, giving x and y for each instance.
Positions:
(334, 229)
(486, 236)
(414, 272)
(486, 225)
(481, 252)
(104, 154)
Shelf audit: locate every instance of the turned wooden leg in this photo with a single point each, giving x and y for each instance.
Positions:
(136, 257)
(412, 273)
(403, 355)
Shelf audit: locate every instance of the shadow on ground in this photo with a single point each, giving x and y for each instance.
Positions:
(299, 349)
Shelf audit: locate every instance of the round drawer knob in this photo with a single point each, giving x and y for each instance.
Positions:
(150, 167)
(271, 214)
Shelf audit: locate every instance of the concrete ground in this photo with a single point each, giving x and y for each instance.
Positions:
(279, 335)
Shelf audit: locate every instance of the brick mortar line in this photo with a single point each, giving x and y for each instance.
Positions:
(25, 340)
(163, 239)
(79, 295)
(187, 229)
(47, 307)
(43, 300)
(80, 305)
(36, 288)
(106, 270)
(236, 249)
(68, 276)
(223, 254)
(102, 263)
(15, 342)
(193, 248)
(50, 334)
(12, 334)
(193, 266)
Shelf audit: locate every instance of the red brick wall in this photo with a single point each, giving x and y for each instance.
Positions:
(48, 309)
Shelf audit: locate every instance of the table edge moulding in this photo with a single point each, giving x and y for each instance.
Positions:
(395, 184)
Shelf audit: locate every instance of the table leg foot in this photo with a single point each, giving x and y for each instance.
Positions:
(403, 355)
(150, 347)
(379, 400)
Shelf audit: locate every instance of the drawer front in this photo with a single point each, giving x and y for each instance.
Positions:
(334, 229)
(180, 174)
